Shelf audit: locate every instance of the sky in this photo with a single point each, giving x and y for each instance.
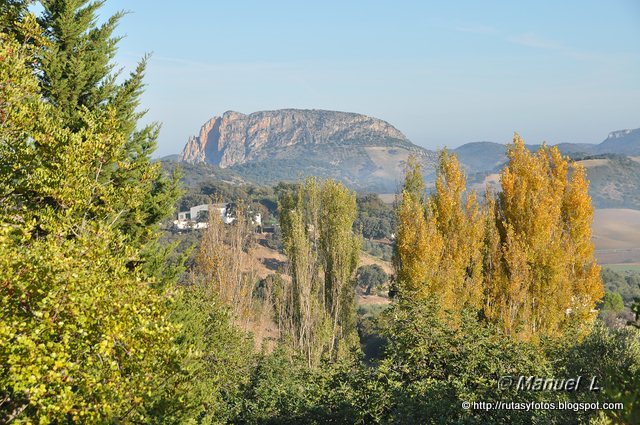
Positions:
(443, 73)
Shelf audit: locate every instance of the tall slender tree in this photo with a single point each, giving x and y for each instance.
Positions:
(525, 259)
(458, 221)
(544, 219)
(316, 220)
(418, 246)
(339, 252)
(303, 300)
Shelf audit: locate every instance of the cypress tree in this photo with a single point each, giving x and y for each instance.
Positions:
(83, 338)
(77, 73)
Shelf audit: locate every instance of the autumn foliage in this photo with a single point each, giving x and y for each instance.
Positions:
(523, 259)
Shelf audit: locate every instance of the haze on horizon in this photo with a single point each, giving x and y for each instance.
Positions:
(443, 74)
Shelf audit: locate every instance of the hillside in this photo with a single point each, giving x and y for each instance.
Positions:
(481, 156)
(616, 235)
(614, 181)
(266, 147)
(369, 154)
(625, 142)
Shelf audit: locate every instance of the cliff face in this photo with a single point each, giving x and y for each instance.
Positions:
(236, 138)
(625, 142)
(271, 146)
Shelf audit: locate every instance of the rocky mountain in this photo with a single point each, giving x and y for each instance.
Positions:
(269, 146)
(625, 142)
(369, 154)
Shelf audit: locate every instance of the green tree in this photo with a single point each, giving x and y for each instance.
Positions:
(612, 301)
(431, 367)
(370, 277)
(83, 337)
(303, 316)
(339, 253)
(76, 72)
(317, 232)
(612, 356)
(217, 358)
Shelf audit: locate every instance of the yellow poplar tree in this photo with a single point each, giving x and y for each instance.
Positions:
(458, 220)
(418, 245)
(549, 278)
(587, 287)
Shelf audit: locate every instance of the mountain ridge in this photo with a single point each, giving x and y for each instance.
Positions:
(286, 144)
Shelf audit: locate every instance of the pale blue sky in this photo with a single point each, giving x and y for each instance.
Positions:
(444, 73)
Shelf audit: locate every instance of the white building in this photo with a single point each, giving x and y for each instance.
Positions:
(192, 214)
(198, 217)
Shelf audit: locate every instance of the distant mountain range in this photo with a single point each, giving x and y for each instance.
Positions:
(486, 156)
(369, 154)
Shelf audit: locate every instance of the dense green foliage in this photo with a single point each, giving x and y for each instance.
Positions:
(375, 219)
(612, 301)
(317, 231)
(84, 333)
(429, 369)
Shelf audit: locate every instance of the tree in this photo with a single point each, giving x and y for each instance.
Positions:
(83, 338)
(612, 301)
(76, 74)
(550, 280)
(224, 264)
(370, 277)
(216, 357)
(525, 259)
(458, 221)
(317, 221)
(339, 253)
(439, 242)
(431, 367)
(303, 314)
(418, 246)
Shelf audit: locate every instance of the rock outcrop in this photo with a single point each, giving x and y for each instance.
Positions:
(267, 147)
(236, 138)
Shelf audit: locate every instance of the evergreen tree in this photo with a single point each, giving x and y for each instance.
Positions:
(77, 74)
(82, 337)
